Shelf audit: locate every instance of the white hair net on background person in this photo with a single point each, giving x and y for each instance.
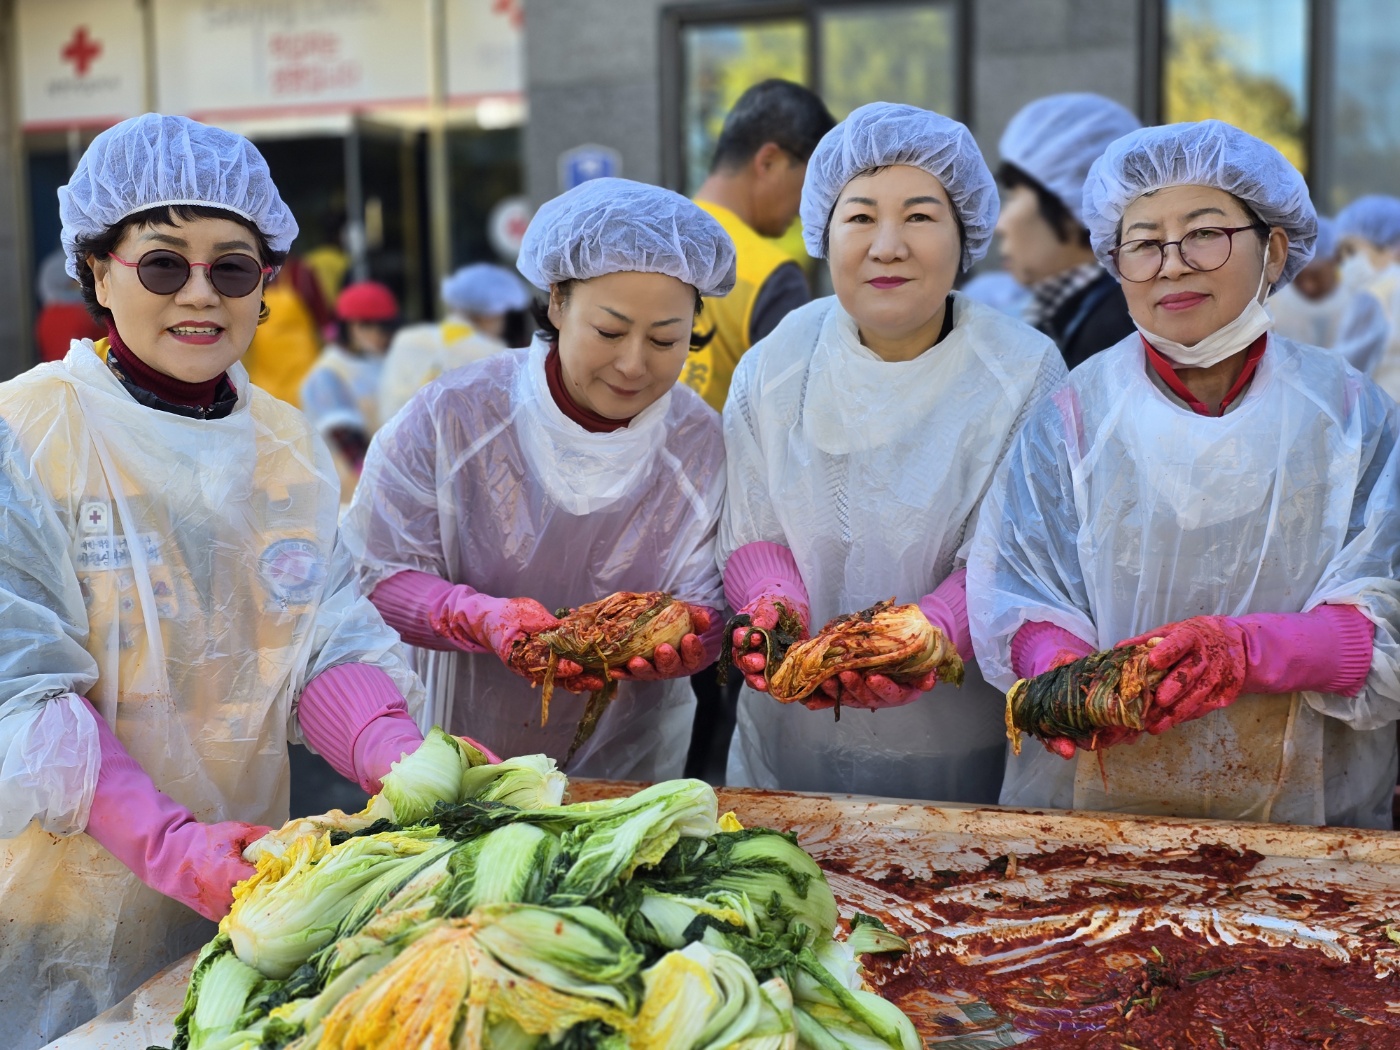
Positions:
(1374, 217)
(53, 283)
(156, 160)
(879, 134)
(1055, 139)
(1208, 153)
(484, 288)
(617, 225)
(1327, 239)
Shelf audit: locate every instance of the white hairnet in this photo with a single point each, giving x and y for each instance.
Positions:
(617, 225)
(1375, 217)
(154, 160)
(54, 284)
(883, 133)
(1055, 139)
(1208, 153)
(484, 289)
(1327, 237)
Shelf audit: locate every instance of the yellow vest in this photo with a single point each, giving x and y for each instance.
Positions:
(709, 371)
(284, 347)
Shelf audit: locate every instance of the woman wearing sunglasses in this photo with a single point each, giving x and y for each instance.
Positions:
(172, 609)
(1209, 484)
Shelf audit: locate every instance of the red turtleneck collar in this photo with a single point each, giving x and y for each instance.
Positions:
(1164, 369)
(166, 388)
(590, 421)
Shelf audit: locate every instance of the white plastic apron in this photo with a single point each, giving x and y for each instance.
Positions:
(1173, 515)
(201, 548)
(484, 481)
(870, 472)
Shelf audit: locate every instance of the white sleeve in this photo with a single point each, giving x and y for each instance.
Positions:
(1024, 559)
(326, 400)
(1366, 571)
(1363, 333)
(693, 575)
(748, 515)
(349, 630)
(393, 525)
(49, 751)
(1049, 378)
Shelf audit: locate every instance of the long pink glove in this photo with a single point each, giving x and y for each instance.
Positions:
(431, 613)
(159, 839)
(1213, 660)
(697, 651)
(354, 717)
(1039, 647)
(946, 609)
(757, 579)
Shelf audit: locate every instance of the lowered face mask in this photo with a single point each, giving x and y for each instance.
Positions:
(1252, 322)
(1358, 270)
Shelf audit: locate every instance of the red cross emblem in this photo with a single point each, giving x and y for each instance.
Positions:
(511, 9)
(81, 51)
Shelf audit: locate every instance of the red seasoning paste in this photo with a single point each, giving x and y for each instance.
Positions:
(1143, 989)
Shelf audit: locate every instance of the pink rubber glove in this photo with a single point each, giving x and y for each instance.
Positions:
(697, 651)
(946, 609)
(354, 717)
(491, 757)
(431, 613)
(1213, 660)
(757, 579)
(160, 840)
(1039, 647)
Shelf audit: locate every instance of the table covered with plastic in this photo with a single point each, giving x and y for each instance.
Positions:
(985, 890)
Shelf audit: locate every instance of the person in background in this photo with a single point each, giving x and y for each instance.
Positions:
(174, 604)
(753, 191)
(62, 317)
(860, 437)
(288, 340)
(1320, 310)
(479, 299)
(1368, 232)
(340, 395)
(1046, 152)
(546, 478)
(1213, 485)
(999, 290)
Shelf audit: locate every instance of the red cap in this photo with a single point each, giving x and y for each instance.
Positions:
(367, 301)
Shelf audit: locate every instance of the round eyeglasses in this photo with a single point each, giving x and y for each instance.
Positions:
(163, 272)
(1204, 250)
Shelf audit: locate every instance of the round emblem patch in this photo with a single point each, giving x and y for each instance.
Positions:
(293, 570)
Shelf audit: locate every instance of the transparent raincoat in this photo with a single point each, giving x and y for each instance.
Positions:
(181, 574)
(482, 480)
(1118, 511)
(872, 473)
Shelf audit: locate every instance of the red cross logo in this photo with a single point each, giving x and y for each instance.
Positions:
(511, 9)
(81, 51)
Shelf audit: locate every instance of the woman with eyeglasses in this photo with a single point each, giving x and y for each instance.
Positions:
(1214, 486)
(173, 607)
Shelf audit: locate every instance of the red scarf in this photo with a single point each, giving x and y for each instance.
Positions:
(167, 388)
(1164, 368)
(590, 421)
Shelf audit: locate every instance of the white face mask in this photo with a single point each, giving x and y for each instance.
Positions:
(1252, 322)
(1357, 270)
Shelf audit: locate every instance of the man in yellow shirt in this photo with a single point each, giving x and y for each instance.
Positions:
(753, 190)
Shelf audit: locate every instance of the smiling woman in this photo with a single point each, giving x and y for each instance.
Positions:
(860, 436)
(557, 475)
(173, 605)
(1219, 499)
